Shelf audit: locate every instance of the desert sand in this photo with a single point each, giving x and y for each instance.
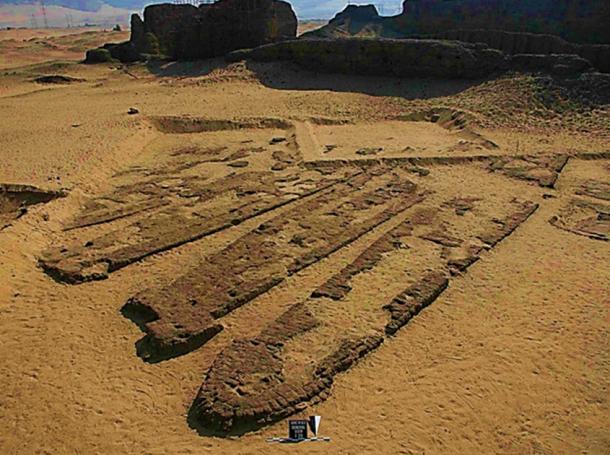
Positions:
(19, 47)
(513, 357)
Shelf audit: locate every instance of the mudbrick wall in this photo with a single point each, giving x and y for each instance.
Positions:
(579, 21)
(529, 43)
(410, 58)
(514, 27)
(385, 57)
(188, 32)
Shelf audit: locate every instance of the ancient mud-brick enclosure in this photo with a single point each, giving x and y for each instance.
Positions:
(185, 31)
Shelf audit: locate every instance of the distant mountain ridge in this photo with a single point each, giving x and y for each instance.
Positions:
(83, 5)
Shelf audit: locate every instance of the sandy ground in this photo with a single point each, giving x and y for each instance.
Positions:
(307, 26)
(24, 46)
(513, 358)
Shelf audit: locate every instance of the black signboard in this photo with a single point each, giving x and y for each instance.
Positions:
(297, 429)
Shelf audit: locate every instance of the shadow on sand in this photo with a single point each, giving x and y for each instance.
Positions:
(237, 430)
(289, 76)
(196, 68)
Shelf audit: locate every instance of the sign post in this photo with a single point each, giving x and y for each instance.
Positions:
(297, 431)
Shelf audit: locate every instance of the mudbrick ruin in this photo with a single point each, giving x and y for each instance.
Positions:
(498, 24)
(395, 208)
(187, 32)
(394, 46)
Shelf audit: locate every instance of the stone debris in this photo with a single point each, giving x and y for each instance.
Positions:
(585, 218)
(543, 170)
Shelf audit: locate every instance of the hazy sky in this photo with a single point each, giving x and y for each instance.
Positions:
(325, 9)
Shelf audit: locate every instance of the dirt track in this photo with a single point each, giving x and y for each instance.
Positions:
(344, 196)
